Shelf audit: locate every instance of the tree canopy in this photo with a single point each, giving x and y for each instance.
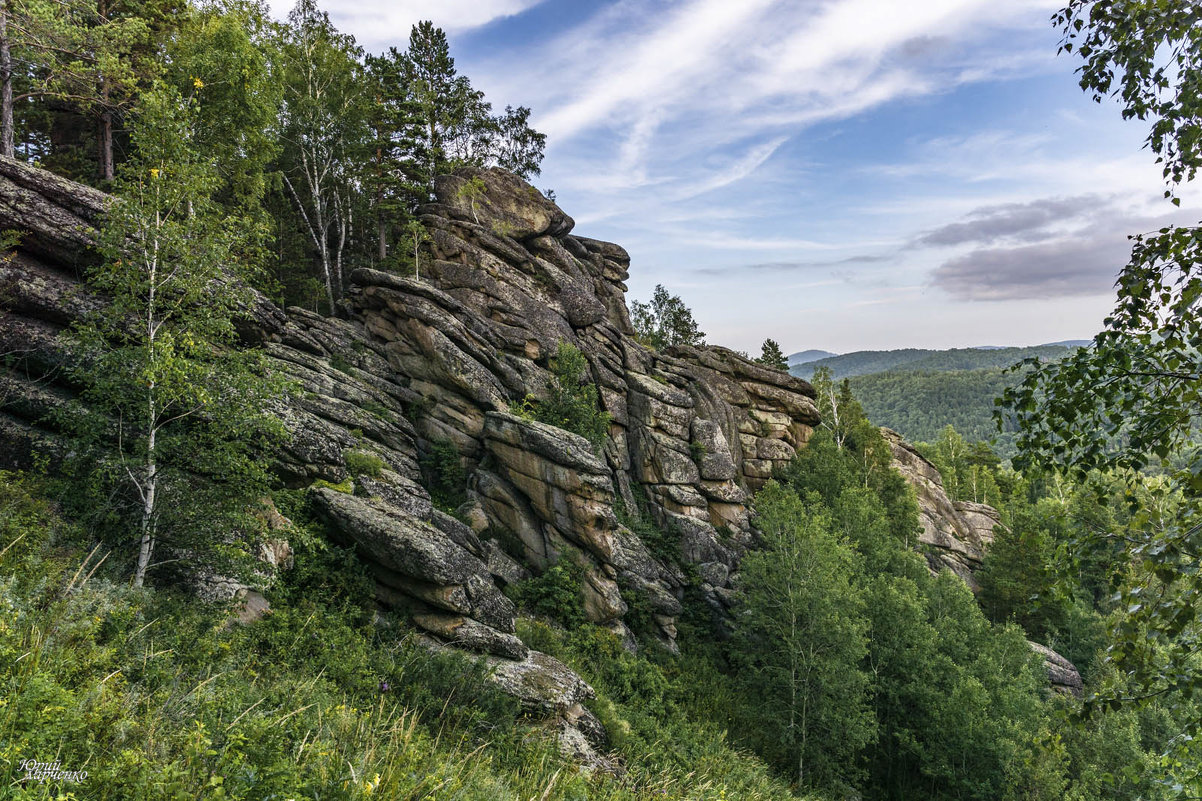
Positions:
(664, 321)
(1135, 397)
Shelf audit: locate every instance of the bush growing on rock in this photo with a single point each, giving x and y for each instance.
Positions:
(556, 594)
(444, 470)
(574, 403)
(361, 463)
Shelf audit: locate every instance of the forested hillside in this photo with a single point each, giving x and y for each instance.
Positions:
(335, 464)
(918, 392)
(867, 362)
(919, 403)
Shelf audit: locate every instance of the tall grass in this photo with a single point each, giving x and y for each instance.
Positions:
(158, 697)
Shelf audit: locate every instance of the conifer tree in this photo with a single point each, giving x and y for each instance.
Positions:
(458, 127)
(397, 178)
(772, 356)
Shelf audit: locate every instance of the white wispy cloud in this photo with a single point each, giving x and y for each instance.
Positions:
(378, 22)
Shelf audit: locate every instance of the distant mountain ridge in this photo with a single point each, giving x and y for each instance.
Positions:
(807, 356)
(917, 392)
(868, 362)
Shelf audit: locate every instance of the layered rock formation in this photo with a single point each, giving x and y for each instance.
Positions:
(955, 534)
(415, 366)
(415, 371)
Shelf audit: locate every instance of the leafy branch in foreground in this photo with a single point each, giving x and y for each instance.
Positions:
(1135, 395)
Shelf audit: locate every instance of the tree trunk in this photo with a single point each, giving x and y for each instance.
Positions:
(104, 145)
(7, 145)
(147, 545)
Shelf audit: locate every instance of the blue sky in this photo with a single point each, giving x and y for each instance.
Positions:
(834, 174)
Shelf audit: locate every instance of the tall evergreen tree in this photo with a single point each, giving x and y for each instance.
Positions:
(457, 122)
(92, 55)
(397, 179)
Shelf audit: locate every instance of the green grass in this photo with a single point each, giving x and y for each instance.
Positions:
(158, 697)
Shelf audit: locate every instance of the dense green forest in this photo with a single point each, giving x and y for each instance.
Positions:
(868, 362)
(919, 403)
(318, 150)
(918, 392)
(282, 154)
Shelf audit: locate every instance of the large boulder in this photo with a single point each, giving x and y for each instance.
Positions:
(502, 203)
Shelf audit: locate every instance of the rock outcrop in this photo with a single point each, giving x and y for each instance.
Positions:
(415, 373)
(1062, 674)
(417, 366)
(955, 534)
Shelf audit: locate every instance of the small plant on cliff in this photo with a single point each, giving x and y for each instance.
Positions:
(471, 191)
(362, 463)
(416, 235)
(444, 471)
(573, 403)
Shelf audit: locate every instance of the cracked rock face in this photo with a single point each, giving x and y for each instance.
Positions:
(419, 366)
(955, 534)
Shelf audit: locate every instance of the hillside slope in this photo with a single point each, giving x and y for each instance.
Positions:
(867, 362)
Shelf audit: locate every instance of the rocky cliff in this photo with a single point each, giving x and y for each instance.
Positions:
(417, 366)
(955, 534)
(417, 372)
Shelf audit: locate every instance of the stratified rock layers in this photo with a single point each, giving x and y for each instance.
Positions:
(416, 371)
(416, 366)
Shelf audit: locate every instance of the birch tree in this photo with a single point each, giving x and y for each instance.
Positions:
(802, 636)
(325, 132)
(172, 412)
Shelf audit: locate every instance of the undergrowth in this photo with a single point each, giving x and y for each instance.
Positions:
(158, 697)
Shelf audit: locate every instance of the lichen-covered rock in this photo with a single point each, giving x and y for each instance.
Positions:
(541, 682)
(463, 632)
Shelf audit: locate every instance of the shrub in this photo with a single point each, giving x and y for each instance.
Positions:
(556, 594)
(445, 474)
(573, 405)
(362, 463)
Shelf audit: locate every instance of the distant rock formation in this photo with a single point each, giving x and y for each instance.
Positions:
(955, 534)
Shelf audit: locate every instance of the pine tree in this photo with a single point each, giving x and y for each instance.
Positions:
(772, 356)
(396, 179)
(458, 127)
(90, 54)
